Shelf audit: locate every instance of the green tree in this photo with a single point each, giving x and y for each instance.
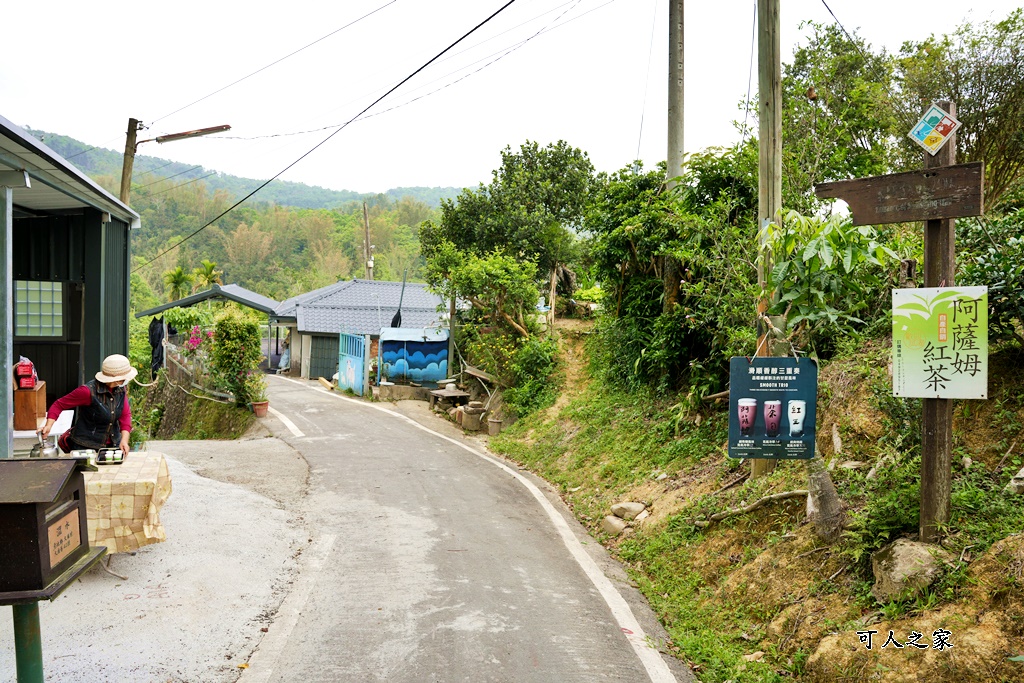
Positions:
(636, 226)
(839, 119)
(980, 68)
(179, 282)
(207, 275)
(532, 208)
(498, 286)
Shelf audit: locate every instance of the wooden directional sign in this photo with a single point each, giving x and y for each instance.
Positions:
(931, 194)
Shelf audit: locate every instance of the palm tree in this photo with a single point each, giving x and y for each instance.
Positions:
(179, 282)
(207, 275)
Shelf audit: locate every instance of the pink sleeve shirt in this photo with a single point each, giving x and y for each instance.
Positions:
(83, 397)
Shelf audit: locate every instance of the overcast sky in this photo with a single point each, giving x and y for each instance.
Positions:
(589, 72)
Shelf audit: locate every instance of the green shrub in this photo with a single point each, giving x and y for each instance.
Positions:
(236, 357)
(994, 257)
(184, 319)
(646, 242)
(532, 366)
(828, 276)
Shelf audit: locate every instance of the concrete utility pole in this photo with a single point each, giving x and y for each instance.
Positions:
(769, 165)
(670, 264)
(367, 247)
(937, 413)
(675, 90)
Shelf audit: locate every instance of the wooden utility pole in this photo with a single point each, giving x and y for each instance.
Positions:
(937, 413)
(129, 161)
(769, 164)
(367, 247)
(675, 90)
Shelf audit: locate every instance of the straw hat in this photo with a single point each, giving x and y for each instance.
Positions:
(116, 367)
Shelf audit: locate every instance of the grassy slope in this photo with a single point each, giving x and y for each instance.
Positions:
(757, 597)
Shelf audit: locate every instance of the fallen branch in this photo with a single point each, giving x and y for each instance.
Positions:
(719, 516)
(1007, 454)
(837, 573)
(714, 397)
(743, 477)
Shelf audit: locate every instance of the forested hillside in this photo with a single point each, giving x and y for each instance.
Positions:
(290, 238)
(275, 250)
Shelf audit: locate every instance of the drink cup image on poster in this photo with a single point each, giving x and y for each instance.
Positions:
(772, 407)
(940, 342)
(746, 410)
(797, 409)
(772, 417)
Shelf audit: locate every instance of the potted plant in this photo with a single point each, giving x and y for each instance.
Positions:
(256, 388)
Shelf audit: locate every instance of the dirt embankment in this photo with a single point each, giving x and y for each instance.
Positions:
(758, 597)
(169, 411)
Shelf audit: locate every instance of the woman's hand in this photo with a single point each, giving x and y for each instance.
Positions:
(124, 442)
(45, 431)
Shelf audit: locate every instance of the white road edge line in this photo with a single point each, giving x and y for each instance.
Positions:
(657, 669)
(287, 423)
(268, 652)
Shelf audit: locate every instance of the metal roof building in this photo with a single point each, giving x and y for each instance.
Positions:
(360, 307)
(66, 241)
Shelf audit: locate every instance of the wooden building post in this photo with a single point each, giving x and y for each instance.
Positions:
(937, 413)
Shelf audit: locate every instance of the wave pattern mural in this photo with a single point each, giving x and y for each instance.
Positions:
(423, 362)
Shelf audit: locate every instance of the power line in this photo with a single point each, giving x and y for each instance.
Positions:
(194, 168)
(515, 46)
(647, 82)
(895, 104)
(277, 61)
(324, 141)
(174, 187)
(508, 49)
(750, 77)
(264, 68)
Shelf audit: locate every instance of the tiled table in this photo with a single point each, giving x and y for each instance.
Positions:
(123, 502)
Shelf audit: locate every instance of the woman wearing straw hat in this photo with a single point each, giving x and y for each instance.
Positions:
(103, 418)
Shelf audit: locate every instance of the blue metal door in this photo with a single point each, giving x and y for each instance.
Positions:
(351, 350)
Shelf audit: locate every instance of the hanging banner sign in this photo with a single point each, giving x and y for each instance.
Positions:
(940, 342)
(934, 129)
(772, 407)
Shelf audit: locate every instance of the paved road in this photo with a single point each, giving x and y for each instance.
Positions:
(432, 562)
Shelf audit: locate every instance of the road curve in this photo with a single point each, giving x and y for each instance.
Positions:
(433, 561)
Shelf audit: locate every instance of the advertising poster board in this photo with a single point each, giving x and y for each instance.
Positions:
(940, 342)
(772, 407)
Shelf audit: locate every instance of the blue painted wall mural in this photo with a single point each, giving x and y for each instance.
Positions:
(414, 360)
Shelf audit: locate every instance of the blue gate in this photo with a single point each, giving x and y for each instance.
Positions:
(351, 352)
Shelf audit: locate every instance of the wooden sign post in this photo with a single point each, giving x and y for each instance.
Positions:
(938, 195)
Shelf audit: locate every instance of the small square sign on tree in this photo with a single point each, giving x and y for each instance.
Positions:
(934, 129)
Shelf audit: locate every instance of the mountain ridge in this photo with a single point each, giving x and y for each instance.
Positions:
(98, 161)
